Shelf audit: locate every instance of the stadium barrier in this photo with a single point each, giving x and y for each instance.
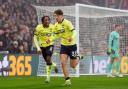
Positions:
(28, 65)
(18, 65)
(100, 65)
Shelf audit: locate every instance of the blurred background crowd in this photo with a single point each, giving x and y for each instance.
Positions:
(18, 19)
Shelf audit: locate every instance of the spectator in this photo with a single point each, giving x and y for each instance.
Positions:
(14, 48)
(18, 18)
(21, 49)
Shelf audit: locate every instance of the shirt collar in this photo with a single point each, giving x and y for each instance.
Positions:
(61, 21)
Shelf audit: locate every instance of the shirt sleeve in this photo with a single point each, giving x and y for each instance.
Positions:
(111, 36)
(36, 30)
(70, 26)
(74, 34)
(35, 39)
(36, 43)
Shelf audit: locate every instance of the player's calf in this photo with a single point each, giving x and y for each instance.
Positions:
(55, 67)
(74, 63)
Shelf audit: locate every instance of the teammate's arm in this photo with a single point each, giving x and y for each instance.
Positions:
(55, 34)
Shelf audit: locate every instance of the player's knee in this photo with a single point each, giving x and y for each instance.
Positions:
(48, 60)
(48, 63)
(74, 65)
(63, 63)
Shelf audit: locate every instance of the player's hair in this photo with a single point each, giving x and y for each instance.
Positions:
(42, 19)
(117, 25)
(58, 12)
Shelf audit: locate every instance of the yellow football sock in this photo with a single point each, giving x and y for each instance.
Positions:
(53, 64)
(48, 70)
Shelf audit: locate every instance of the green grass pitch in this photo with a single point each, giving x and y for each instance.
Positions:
(83, 82)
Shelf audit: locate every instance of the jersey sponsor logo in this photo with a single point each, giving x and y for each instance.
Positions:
(44, 34)
(61, 30)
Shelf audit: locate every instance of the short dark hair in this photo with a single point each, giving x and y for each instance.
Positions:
(58, 12)
(117, 25)
(42, 19)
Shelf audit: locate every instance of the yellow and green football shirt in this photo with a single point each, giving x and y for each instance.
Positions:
(65, 30)
(42, 34)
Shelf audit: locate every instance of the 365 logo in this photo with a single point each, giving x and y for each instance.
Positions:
(13, 65)
(20, 65)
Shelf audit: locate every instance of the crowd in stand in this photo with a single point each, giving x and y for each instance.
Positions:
(17, 22)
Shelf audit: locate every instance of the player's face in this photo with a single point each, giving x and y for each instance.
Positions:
(120, 28)
(46, 21)
(58, 17)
